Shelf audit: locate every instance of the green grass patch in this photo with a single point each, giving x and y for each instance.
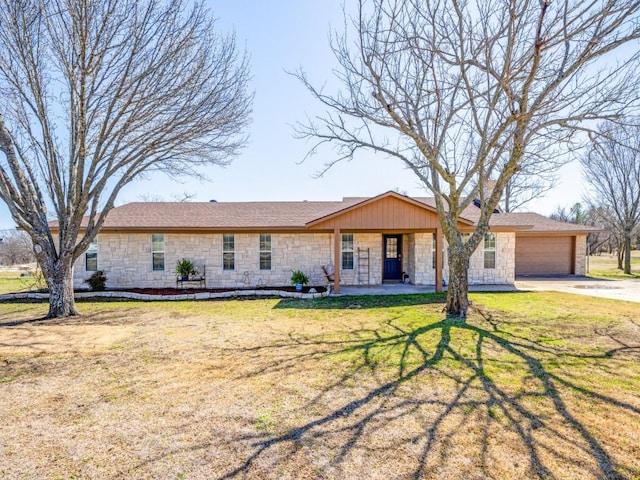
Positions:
(613, 274)
(606, 266)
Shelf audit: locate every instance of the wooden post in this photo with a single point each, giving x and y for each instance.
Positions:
(438, 260)
(337, 259)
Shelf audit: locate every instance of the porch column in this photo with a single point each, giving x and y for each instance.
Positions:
(337, 258)
(439, 259)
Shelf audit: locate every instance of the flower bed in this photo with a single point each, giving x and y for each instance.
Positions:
(184, 293)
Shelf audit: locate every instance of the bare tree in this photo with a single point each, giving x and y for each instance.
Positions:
(611, 167)
(576, 214)
(96, 92)
(463, 92)
(15, 247)
(181, 198)
(615, 236)
(535, 179)
(591, 216)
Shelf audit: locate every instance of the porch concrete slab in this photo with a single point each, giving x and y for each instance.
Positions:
(628, 290)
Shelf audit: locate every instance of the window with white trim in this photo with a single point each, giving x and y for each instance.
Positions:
(91, 257)
(157, 251)
(228, 251)
(347, 251)
(489, 250)
(265, 251)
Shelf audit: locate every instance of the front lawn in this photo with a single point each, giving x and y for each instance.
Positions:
(534, 385)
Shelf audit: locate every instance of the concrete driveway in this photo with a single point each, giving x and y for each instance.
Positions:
(628, 290)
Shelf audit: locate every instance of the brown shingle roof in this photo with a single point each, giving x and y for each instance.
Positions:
(166, 216)
(529, 222)
(217, 215)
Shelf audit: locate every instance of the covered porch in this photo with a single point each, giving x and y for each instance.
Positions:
(397, 221)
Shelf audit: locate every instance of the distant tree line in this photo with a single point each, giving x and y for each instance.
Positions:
(611, 169)
(15, 248)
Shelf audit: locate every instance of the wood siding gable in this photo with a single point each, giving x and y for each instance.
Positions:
(386, 212)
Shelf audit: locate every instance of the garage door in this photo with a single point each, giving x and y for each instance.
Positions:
(544, 255)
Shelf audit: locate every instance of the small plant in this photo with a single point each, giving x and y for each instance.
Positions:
(97, 281)
(299, 278)
(185, 267)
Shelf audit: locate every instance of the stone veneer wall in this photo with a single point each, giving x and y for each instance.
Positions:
(424, 273)
(503, 273)
(126, 259)
(410, 256)
(372, 241)
(581, 255)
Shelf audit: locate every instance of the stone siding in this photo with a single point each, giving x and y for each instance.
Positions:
(362, 241)
(126, 259)
(581, 255)
(424, 272)
(504, 271)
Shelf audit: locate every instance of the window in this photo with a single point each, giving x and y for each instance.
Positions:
(157, 249)
(347, 251)
(91, 257)
(265, 251)
(228, 251)
(490, 250)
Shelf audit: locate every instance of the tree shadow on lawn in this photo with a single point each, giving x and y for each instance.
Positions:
(506, 383)
(115, 317)
(535, 411)
(361, 301)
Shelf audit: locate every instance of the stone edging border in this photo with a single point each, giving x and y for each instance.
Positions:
(185, 296)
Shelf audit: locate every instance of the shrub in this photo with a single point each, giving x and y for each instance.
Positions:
(298, 277)
(97, 281)
(185, 267)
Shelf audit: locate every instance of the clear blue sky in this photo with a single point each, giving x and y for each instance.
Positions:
(280, 36)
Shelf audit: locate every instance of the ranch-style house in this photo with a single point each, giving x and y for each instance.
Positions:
(364, 241)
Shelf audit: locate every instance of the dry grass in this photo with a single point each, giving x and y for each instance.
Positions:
(535, 385)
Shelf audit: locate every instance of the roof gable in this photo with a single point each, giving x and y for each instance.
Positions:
(389, 211)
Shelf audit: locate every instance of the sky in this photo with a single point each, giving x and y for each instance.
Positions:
(281, 37)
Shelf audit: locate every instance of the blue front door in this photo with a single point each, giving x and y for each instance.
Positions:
(392, 257)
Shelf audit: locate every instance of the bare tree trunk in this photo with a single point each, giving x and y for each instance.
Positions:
(59, 277)
(620, 255)
(627, 253)
(457, 290)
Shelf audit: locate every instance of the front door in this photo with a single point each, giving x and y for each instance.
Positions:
(392, 257)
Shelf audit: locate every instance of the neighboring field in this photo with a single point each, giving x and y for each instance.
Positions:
(606, 266)
(11, 281)
(535, 385)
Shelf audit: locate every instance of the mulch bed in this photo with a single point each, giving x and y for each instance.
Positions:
(183, 291)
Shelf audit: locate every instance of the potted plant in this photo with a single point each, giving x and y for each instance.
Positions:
(298, 278)
(184, 268)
